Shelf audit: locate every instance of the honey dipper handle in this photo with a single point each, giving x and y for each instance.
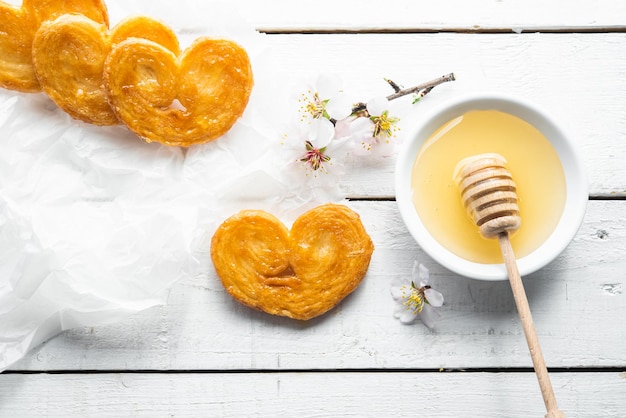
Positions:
(523, 309)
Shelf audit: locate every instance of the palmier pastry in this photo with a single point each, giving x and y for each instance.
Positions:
(18, 26)
(182, 100)
(301, 273)
(69, 54)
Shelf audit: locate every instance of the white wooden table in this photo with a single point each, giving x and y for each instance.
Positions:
(202, 354)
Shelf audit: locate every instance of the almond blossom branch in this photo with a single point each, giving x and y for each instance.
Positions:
(337, 126)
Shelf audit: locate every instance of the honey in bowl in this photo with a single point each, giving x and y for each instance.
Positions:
(532, 161)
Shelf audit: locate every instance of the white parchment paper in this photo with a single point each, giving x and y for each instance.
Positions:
(96, 225)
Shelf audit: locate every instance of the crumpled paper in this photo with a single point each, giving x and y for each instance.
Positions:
(96, 225)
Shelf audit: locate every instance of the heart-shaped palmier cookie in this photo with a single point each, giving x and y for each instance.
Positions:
(69, 54)
(182, 100)
(301, 273)
(18, 26)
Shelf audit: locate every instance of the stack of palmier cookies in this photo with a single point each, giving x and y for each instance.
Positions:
(133, 74)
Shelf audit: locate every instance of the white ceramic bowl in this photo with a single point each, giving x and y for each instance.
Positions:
(576, 184)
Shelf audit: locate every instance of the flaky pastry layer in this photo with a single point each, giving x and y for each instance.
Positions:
(18, 26)
(182, 100)
(299, 273)
(69, 54)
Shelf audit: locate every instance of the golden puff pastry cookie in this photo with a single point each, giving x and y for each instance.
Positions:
(18, 26)
(182, 100)
(69, 54)
(299, 273)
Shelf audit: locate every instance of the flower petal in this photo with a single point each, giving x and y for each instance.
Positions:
(382, 148)
(339, 148)
(397, 293)
(361, 133)
(398, 283)
(420, 274)
(423, 273)
(343, 128)
(377, 106)
(339, 106)
(406, 316)
(429, 315)
(321, 131)
(328, 85)
(434, 297)
(361, 127)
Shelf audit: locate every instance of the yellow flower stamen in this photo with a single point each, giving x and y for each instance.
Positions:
(312, 106)
(415, 300)
(384, 126)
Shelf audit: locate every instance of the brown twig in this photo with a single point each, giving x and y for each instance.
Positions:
(428, 85)
(421, 89)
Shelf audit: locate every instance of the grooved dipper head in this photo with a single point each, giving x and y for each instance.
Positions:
(488, 193)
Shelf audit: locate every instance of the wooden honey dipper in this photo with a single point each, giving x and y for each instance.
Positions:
(489, 195)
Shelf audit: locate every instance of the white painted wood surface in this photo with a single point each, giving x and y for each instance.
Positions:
(355, 394)
(204, 354)
(203, 328)
(449, 15)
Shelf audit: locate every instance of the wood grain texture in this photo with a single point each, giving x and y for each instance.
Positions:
(401, 15)
(497, 395)
(573, 300)
(456, 15)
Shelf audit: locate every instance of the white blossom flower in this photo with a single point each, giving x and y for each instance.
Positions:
(413, 301)
(359, 129)
(325, 100)
(321, 133)
(374, 133)
(316, 148)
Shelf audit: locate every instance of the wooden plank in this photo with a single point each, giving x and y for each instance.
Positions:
(558, 73)
(395, 15)
(574, 300)
(308, 394)
(476, 15)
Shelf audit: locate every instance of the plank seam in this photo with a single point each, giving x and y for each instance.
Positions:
(611, 369)
(461, 30)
